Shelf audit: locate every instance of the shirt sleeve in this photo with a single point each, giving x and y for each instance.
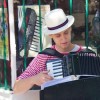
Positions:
(37, 65)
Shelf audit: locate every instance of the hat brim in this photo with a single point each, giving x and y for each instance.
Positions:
(66, 26)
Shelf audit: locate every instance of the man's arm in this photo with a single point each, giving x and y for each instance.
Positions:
(23, 85)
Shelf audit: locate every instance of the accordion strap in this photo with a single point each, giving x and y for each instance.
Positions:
(52, 52)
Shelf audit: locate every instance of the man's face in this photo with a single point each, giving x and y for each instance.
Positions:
(62, 39)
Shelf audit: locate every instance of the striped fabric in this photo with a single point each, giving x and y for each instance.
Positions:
(38, 64)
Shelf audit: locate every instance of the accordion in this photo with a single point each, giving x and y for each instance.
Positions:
(83, 63)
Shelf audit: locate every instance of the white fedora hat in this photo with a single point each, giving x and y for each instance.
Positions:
(56, 21)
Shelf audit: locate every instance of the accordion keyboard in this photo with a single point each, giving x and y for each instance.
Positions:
(55, 68)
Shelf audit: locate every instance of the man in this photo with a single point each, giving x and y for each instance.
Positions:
(58, 27)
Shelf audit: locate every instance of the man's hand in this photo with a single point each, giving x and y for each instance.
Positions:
(42, 77)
